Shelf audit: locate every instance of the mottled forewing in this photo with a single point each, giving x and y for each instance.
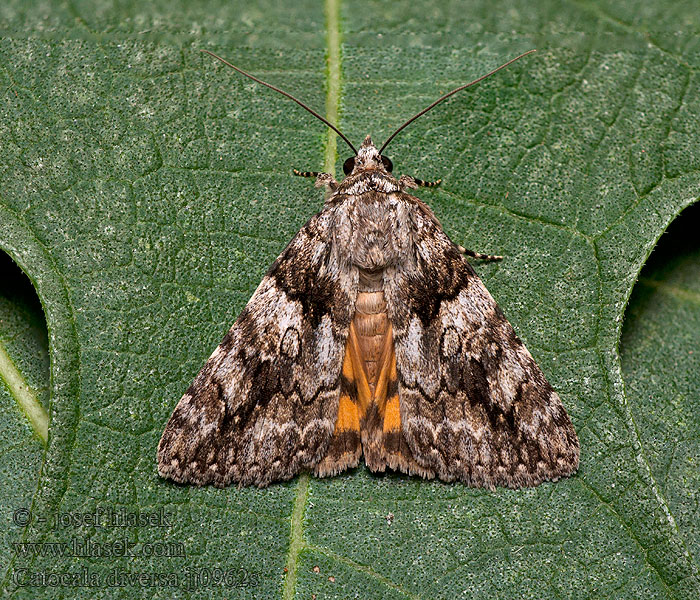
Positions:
(265, 404)
(474, 404)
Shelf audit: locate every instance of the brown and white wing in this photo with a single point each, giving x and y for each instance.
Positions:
(474, 405)
(265, 404)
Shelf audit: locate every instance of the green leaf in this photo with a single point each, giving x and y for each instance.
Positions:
(24, 397)
(660, 352)
(145, 189)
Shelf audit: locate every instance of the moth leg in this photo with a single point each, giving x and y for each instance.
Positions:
(421, 183)
(478, 255)
(326, 180)
(322, 179)
(406, 181)
(306, 173)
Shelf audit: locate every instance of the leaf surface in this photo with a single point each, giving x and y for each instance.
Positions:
(146, 189)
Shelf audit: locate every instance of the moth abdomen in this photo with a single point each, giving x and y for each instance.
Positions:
(371, 323)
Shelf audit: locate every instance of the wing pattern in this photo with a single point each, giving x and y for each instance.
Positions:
(265, 404)
(474, 404)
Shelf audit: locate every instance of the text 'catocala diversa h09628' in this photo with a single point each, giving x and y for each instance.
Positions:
(370, 334)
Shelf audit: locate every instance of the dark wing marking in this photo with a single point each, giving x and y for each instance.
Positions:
(265, 404)
(474, 404)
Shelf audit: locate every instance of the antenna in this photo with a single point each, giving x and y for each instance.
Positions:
(272, 87)
(446, 96)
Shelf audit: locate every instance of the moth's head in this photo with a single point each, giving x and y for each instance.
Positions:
(367, 158)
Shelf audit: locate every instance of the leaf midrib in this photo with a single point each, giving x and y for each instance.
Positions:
(296, 532)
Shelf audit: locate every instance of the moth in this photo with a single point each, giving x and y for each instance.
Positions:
(371, 334)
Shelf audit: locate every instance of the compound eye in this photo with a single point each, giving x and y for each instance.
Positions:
(388, 165)
(349, 165)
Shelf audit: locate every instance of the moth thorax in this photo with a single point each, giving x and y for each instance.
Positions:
(371, 323)
(373, 253)
(370, 281)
